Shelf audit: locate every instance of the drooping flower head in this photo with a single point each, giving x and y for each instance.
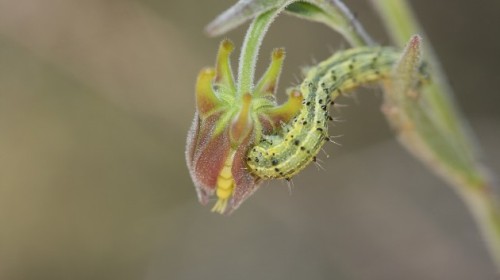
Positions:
(225, 126)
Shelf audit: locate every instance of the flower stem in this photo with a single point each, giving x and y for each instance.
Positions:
(250, 50)
(440, 136)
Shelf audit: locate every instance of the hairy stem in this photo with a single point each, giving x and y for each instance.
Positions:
(250, 49)
(440, 136)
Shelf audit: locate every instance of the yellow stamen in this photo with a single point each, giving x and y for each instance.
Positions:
(225, 186)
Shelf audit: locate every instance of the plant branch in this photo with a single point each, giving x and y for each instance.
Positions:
(439, 136)
(250, 49)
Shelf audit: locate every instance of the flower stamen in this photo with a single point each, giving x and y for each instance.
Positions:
(225, 186)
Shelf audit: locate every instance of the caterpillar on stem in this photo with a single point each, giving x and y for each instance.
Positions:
(236, 141)
(293, 147)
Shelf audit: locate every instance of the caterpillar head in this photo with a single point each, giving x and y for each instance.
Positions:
(227, 123)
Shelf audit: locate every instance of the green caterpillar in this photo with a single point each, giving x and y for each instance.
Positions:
(284, 154)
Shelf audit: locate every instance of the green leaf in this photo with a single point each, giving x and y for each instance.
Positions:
(239, 13)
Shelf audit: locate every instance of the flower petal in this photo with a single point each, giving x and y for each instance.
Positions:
(203, 160)
(285, 112)
(206, 100)
(224, 74)
(246, 183)
(267, 86)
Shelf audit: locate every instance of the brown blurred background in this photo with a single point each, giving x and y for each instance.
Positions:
(96, 97)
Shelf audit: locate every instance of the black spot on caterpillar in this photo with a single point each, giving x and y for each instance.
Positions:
(324, 83)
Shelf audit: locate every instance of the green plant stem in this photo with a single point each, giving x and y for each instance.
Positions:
(250, 49)
(485, 211)
(440, 137)
(401, 23)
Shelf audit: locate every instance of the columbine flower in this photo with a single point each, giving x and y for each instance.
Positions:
(227, 123)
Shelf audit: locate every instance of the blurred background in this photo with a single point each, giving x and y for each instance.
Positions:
(96, 97)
